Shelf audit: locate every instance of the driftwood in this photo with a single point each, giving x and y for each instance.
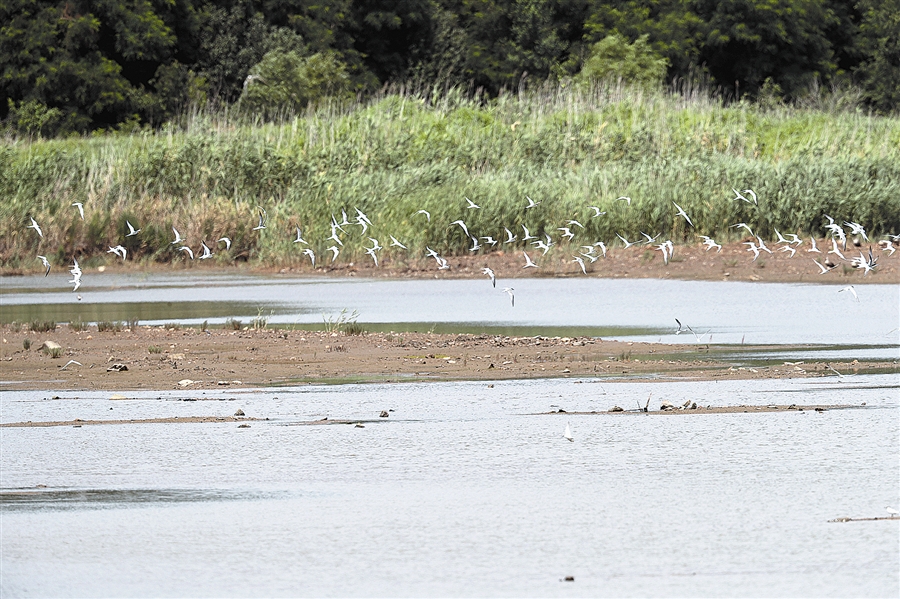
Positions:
(865, 519)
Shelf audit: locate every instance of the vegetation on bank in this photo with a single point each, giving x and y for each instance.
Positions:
(568, 147)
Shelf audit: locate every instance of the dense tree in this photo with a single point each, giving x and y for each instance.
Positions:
(76, 65)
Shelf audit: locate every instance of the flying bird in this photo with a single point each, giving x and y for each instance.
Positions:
(531, 203)
(426, 213)
(471, 204)
(227, 242)
(851, 289)
(207, 253)
(263, 218)
(35, 226)
(528, 262)
(512, 298)
(300, 237)
(80, 207)
(626, 199)
(178, 238)
(487, 271)
(597, 211)
(46, 264)
(189, 251)
(312, 256)
(463, 225)
(681, 212)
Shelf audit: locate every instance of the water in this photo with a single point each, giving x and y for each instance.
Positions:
(465, 489)
(639, 309)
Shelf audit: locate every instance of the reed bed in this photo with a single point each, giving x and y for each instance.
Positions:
(567, 148)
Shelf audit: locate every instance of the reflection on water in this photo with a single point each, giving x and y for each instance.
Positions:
(463, 490)
(642, 309)
(74, 499)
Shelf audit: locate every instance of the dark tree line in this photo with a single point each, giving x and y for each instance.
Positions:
(78, 65)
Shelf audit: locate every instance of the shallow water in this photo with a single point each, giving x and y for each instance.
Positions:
(465, 489)
(639, 309)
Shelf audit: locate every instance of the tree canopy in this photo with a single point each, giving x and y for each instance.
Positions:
(79, 65)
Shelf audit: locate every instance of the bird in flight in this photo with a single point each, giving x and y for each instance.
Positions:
(580, 262)
(528, 261)
(851, 289)
(118, 251)
(80, 207)
(189, 251)
(131, 230)
(681, 212)
(178, 238)
(227, 242)
(625, 199)
(710, 243)
(627, 243)
(396, 243)
(463, 225)
(490, 273)
(511, 238)
(207, 253)
(426, 213)
(512, 298)
(597, 211)
(471, 204)
(335, 250)
(739, 195)
(531, 203)
(46, 264)
(312, 256)
(300, 237)
(263, 218)
(35, 226)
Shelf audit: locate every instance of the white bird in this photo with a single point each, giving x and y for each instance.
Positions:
(131, 230)
(80, 207)
(118, 251)
(753, 249)
(471, 204)
(207, 253)
(888, 246)
(602, 247)
(263, 218)
(761, 245)
(75, 270)
(568, 433)
(531, 203)
(512, 298)
(336, 251)
(625, 198)
(528, 262)
(795, 239)
(739, 196)
(627, 243)
(649, 239)
(511, 238)
(710, 243)
(442, 263)
(681, 212)
(834, 249)
(475, 245)
(788, 248)
(300, 237)
(69, 363)
(527, 235)
(541, 246)
(227, 242)
(894, 513)
(46, 264)
(664, 248)
(426, 213)
(580, 262)
(745, 226)
(178, 238)
(566, 232)
(851, 289)
(344, 222)
(781, 238)
(487, 271)
(590, 257)
(371, 252)
(375, 245)
(334, 237)
(364, 223)
(822, 269)
(35, 226)
(463, 225)
(312, 256)
(489, 240)
(814, 249)
(189, 251)
(597, 211)
(396, 243)
(575, 223)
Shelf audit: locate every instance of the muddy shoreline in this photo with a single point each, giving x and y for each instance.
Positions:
(156, 358)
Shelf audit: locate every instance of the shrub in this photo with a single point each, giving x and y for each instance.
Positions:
(43, 326)
(614, 58)
(26, 343)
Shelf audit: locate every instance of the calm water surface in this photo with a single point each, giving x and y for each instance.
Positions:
(640, 309)
(464, 490)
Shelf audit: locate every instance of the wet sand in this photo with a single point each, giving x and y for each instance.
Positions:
(155, 358)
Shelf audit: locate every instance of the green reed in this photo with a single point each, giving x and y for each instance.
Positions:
(568, 148)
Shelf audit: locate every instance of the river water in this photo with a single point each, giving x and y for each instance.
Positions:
(465, 489)
(639, 309)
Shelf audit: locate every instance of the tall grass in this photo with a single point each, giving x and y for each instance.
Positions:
(566, 147)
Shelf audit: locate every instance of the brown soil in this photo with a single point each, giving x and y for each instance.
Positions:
(192, 359)
(690, 262)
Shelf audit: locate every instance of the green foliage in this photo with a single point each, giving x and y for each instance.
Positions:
(880, 45)
(285, 83)
(41, 326)
(613, 58)
(33, 118)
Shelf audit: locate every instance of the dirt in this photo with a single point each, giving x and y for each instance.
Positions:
(692, 262)
(156, 358)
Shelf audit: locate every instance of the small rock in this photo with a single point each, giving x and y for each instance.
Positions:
(243, 426)
(383, 414)
(240, 413)
(48, 345)
(185, 382)
(616, 409)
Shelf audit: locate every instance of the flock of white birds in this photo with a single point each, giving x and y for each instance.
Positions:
(836, 237)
